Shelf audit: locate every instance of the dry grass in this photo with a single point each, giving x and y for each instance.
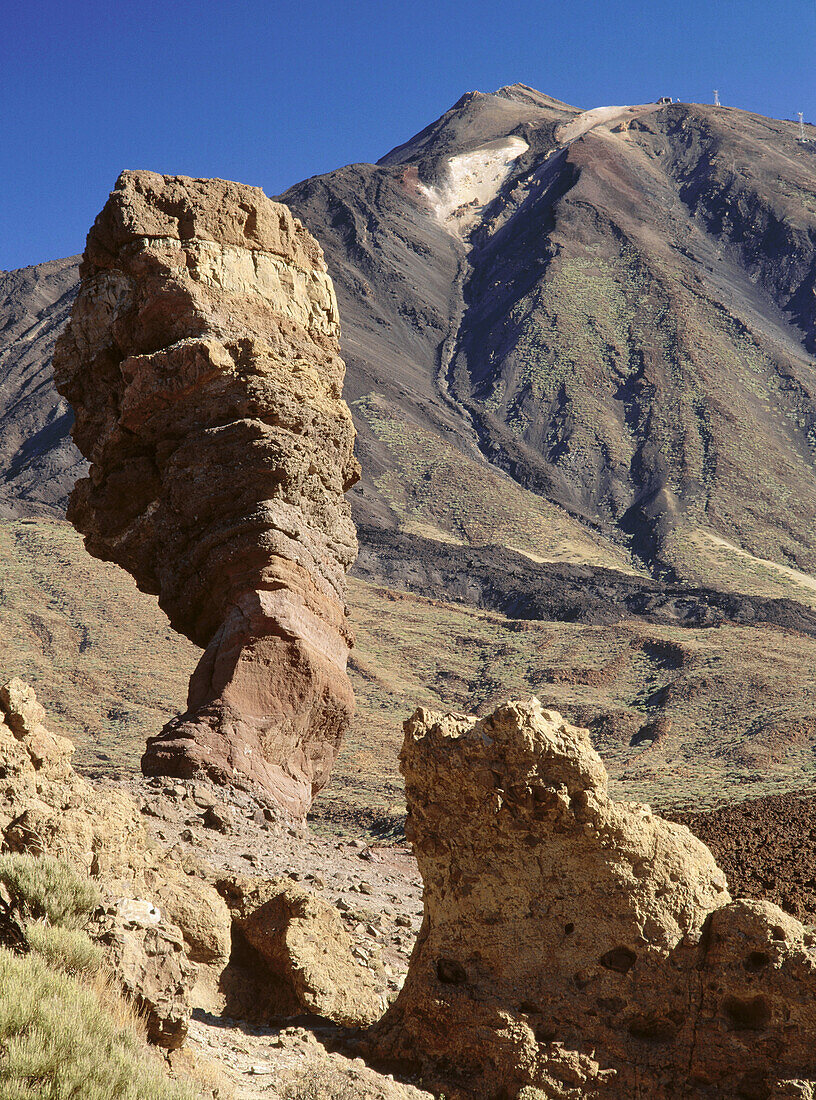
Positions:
(681, 716)
(58, 1041)
(44, 888)
(99, 653)
(66, 1031)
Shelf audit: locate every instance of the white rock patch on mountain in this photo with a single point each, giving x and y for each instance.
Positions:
(472, 181)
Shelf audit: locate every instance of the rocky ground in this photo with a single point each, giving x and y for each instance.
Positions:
(376, 888)
(766, 846)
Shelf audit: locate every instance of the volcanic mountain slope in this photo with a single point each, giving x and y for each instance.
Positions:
(629, 329)
(641, 349)
(585, 336)
(38, 461)
(395, 242)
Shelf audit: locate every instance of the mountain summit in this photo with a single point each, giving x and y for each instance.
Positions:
(614, 306)
(585, 336)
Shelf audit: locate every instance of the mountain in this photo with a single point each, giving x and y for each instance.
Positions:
(613, 307)
(580, 351)
(38, 461)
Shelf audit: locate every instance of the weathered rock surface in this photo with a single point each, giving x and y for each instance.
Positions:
(577, 946)
(47, 808)
(307, 952)
(145, 954)
(200, 913)
(202, 363)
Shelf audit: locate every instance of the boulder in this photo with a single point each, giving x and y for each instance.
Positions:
(578, 946)
(306, 951)
(202, 362)
(200, 913)
(145, 955)
(47, 808)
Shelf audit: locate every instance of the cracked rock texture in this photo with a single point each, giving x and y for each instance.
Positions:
(145, 955)
(295, 944)
(202, 363)
(575, 947)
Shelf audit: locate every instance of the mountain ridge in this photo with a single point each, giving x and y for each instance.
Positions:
(548, 330)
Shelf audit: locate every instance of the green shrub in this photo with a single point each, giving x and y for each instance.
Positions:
(66, 949)
(57, 1042)
(46, 888)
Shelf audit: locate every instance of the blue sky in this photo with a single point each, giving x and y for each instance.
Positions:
(271, 92)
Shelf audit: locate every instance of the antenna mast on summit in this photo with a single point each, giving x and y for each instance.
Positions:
(717, 98)
(801, 126)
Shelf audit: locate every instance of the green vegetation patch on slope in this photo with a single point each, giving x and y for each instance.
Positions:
(58, 1041)
(47, 888)
(433, 485)
(64, 1034)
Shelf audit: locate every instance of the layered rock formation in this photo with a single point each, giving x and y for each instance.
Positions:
(202, 363)
(46, 808)
(581, 947)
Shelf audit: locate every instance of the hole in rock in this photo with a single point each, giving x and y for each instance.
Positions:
(652, 1029)
(748, 1013)
(757, 960)
(569, 928)
(252, 990)
(450, 972)
(620, 959)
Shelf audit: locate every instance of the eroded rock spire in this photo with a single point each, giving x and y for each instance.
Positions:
(202, 362)
(575, 947)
